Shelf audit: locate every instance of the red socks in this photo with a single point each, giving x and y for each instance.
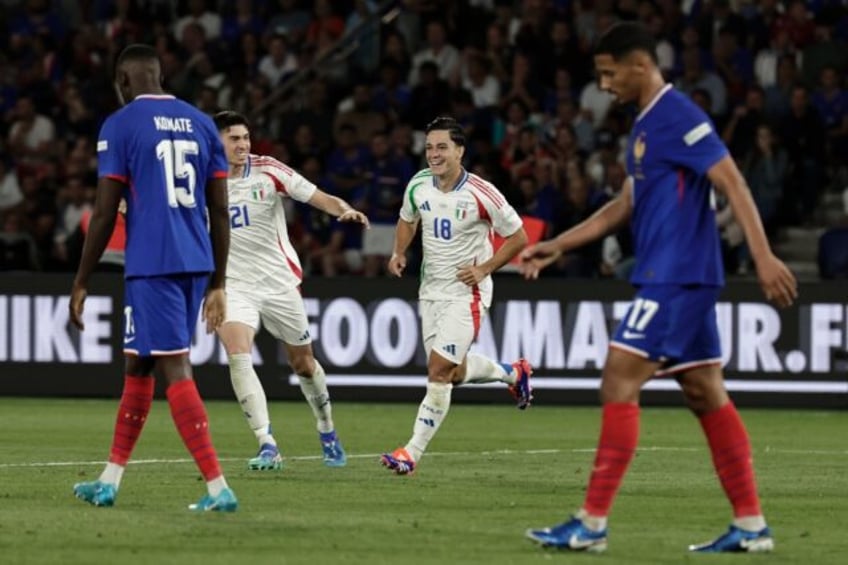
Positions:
(731, 451)
(189, 415)
(132, 413)
(619, 436)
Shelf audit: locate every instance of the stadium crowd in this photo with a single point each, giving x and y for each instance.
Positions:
(341, 91)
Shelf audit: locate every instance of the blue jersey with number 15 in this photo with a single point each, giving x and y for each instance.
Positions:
(164, 150)
(672, 146)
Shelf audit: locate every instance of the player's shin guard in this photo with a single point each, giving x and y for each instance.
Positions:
(251, 396)
(731, 454)
(431, 413)
(136, 399)
(189, 415)
(616, 446)
(315, 392)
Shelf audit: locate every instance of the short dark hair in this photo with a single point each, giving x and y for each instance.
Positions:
(446, 123)
(624, 38)
(137, 52)
(228, 118)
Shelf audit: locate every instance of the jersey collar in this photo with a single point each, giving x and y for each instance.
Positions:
(653, 101)
(462, 178)
(156, 96)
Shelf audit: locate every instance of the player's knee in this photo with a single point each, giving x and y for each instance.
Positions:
(303, 365)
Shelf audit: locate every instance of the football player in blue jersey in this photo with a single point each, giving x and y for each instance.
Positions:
(164, 157)
(674, 159)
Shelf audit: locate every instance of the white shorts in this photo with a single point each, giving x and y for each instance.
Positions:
(449, 328)
(281, 313)
(378, 240)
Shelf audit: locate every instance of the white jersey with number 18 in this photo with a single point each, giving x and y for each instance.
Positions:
(456, 230)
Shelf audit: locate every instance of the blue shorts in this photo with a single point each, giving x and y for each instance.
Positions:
(674, 325)
(160, 313)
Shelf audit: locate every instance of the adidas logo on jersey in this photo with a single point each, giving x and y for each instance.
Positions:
(426, 205)
(450, 348)
(305, 336)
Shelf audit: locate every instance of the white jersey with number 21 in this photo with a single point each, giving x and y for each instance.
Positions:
(260, 252)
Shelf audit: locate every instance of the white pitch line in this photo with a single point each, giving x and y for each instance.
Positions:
(767, 451)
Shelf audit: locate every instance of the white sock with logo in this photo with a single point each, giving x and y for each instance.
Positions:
(251, 396)
(316, 394)
(480, 369)
(431, 413)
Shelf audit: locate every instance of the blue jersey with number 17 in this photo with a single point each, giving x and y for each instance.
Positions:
(672, 146)
(164, 150)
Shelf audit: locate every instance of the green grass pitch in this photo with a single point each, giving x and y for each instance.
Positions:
(492, 472)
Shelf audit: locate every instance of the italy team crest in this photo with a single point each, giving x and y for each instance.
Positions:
(462, 210)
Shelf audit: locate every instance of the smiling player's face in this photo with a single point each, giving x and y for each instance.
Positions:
(620, 78)
(236, 140)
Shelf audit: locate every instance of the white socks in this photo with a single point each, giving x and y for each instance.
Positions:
(316, 394)
(112, 474)
(215, 486)
(594, 523)
(481, 369)
(750, 523)
(251, 396)
(431, 413)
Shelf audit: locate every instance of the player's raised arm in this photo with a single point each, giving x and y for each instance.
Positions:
(611, 217)
(337, 207)
(777, 281)
(100, 229)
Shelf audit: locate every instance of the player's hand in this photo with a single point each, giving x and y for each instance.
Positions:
(77, 305)
(777, 281)
(471, 274)
(355, 216)
(536, 257)
(397, 264)
(214, 309)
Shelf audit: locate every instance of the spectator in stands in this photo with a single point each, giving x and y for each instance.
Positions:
(694, 77)
(387, 176)
(241, 18)
(10, 190)
(390, 96)
(831, 102)
(765, 168)
(436, 50)
(32, 136)
(430, 97)
(279, 63)
(358, 112)
(289, 20)
(17, 247)
(740, 131)
(803, 134)
(199, 14)
(346, 166)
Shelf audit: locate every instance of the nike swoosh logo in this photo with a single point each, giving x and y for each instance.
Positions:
(632, 335)
(129, 340)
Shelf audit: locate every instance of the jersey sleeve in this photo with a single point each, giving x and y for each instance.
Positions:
(495, 208)
(409, 209)
(287, 181)
(112, 159)
(695, 144)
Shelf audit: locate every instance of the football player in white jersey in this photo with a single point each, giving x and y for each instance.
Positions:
(263, 276)
(457, 212)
